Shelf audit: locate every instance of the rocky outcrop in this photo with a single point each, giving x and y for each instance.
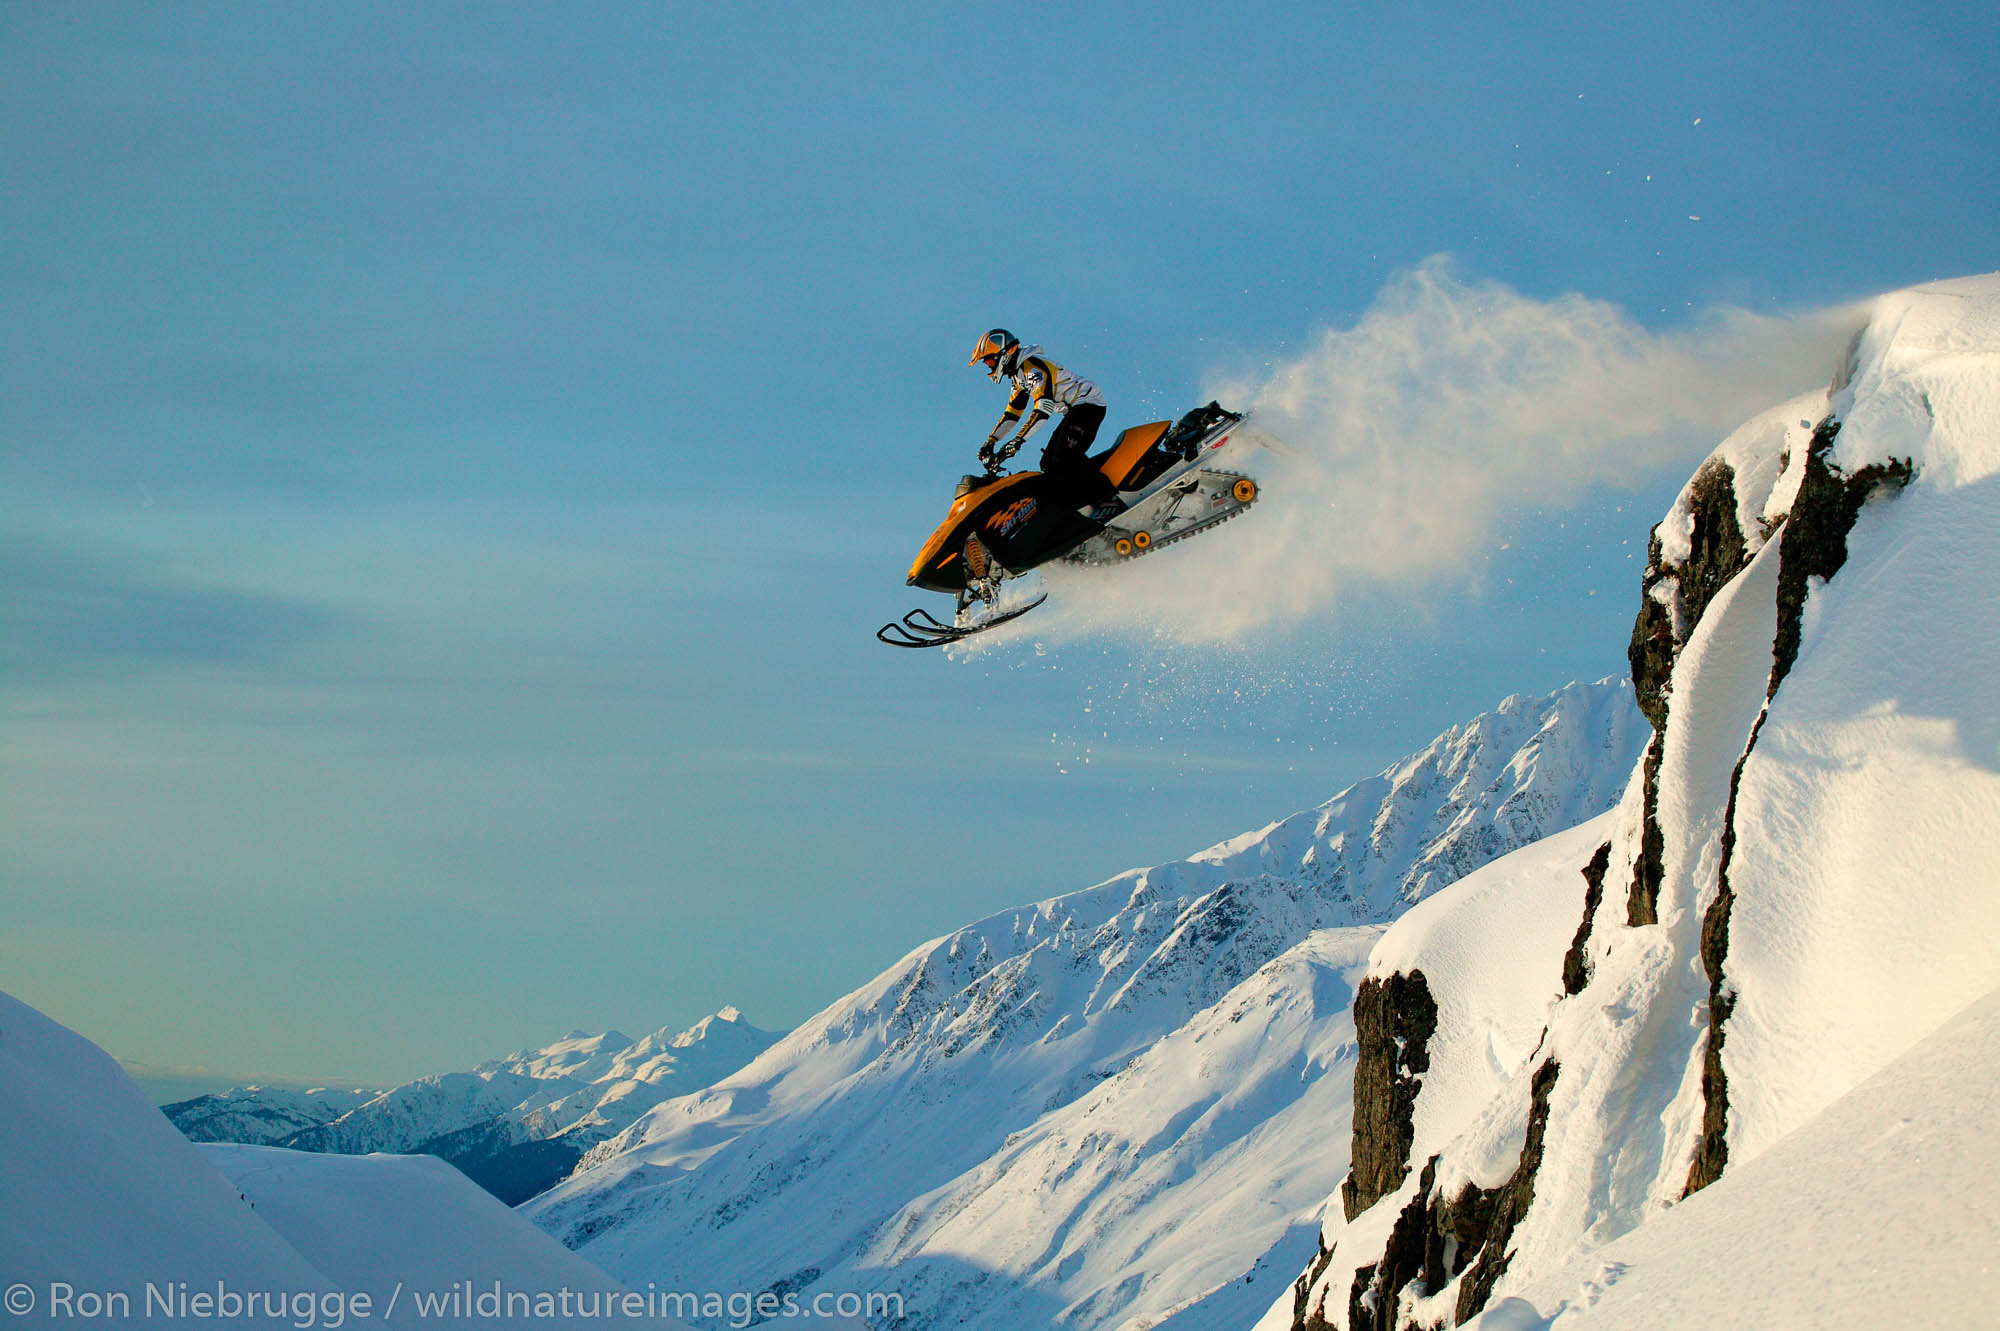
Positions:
(1642, 898)
(1576, 967)
(1815, 540)
(1394, 1019)
(1464, 1237)
(1675, 593)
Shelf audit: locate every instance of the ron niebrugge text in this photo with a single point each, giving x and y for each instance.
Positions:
(180, 1300)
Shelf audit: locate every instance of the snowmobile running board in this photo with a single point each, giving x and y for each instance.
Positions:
(920, 628)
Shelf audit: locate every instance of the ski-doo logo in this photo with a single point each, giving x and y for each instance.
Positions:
(1007, 519)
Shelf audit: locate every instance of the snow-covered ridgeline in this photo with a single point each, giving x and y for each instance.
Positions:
(1014, 1123)
(262, 1115)
(515, 1124)
(1797, 888)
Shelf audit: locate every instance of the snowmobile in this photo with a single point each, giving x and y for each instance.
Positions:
(1001, 526)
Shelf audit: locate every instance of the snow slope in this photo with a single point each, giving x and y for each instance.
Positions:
(99, 1191)
(1018, 1124)
(515, 1125)
(1896, 1176)
(1806, 891)
(101, 1195)
(357, 1218)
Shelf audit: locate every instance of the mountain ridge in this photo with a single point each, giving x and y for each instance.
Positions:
(514, 1124)
(973, 1043)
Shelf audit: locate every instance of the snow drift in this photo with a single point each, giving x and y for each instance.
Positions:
(1797, 888)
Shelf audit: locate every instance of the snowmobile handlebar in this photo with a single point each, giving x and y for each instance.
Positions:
(994, 456)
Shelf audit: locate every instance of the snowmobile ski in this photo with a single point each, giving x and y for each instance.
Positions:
(920, 628)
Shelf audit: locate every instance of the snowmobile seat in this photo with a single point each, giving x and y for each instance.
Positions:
(1133, 460)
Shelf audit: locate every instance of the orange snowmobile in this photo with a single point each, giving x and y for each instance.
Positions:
(1002, 526)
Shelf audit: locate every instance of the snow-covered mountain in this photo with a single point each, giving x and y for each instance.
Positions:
(1101, 1107)
(112, 1215)
(262, 1115)
(1762, 1057)
(514, 1125)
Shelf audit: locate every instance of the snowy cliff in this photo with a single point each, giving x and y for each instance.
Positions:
(1089, 1109)
(1798, 888)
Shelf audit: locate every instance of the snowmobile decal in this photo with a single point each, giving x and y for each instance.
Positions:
(974, 492)
(1007, 519)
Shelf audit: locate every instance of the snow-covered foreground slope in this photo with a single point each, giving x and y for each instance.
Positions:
(1799, 885)
(514, 1125)
(357, 1218)
(97, 1189)
(1094, 1108)
(108, 1213)
(1881, 1210)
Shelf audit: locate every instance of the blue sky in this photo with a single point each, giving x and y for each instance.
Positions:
(455, 456)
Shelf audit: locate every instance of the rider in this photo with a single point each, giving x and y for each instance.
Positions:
(1041, 388)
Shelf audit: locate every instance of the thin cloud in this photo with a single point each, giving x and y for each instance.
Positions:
(71, 615)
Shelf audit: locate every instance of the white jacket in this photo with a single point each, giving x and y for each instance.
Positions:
(1041, 388)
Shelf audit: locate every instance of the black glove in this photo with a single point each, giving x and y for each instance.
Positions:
(993, 453)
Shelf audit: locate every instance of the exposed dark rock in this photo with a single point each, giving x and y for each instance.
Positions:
(1575, 969)
(1642, 903)
(1306, 1318)
(1511, 1202)
(1711, 1151)
(1673, 598)
(1815, 539)
(1371, 1303)
(1394, 1019)
(1438, 1239)
(1717, 555)
(1651, 651)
